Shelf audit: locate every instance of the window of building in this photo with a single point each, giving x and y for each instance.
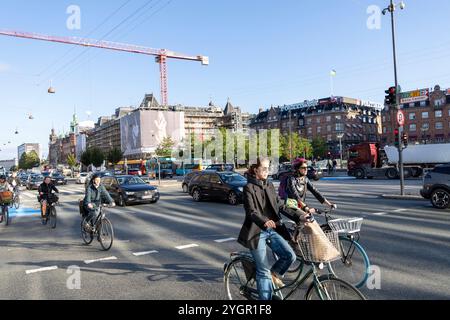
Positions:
(319, 129)
(339, 127)
(309, 131)
(301, 122)
(338, 117)
(412, 104)
(412, 127)
(384, 129)
(439, 125)
(425, 126)
(328, 118)
(423, 103)
(412, 116)
(384, 118)
(329, 137)
(438, 114)
(309, 121)
(328, 128)
(425, 115)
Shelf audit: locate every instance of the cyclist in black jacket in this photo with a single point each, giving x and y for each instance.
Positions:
(45, 190)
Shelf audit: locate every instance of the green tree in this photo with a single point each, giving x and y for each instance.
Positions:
(320, 147)
(29, 160)
(301, 147)
(115, 155)
(72, 162)
(97, 157)
(86, 157)
(164, 150)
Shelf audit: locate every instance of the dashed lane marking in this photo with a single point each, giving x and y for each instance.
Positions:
(41, 269)
(187, 246)
(138, 254)
(224, 240)
(99, 260)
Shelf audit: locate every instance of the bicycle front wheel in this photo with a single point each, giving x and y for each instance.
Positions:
(52, 214)
(6, 212)
(86, 235)
(240, 280)
(354, 264)
(106, 234)
(17, 202)
(327, 287)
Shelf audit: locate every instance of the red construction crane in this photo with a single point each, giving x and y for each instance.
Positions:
(161, 54)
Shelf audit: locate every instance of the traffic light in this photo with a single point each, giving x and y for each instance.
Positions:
(405, 140)
(391, 96)
(396, 138)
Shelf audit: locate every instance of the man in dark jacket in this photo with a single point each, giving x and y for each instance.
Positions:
(96, 194)
(262, 227)
(45, 190)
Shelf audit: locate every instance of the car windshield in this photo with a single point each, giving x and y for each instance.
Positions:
(37, 178)
(130, 180)
(233, 178)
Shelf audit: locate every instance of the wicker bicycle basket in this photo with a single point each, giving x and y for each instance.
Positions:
(349, 225)
(6, 197)
(319, 249)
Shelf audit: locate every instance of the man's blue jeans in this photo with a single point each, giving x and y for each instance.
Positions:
(286, 258)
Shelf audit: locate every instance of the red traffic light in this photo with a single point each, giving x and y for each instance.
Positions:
(396, 132)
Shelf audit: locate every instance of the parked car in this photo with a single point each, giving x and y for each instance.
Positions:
(24, 179)
(82, 178)
(58, 178)
(214, 185)
(187, 179)
(34, 181)
(130, 189)
(436, 186)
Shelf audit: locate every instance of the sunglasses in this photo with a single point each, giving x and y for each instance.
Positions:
(303, 168)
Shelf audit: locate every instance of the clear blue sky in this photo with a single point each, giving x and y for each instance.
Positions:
(261, 53)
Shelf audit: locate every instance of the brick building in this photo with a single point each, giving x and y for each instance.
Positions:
(427, 117)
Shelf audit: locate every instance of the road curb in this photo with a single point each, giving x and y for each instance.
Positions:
(405, 197)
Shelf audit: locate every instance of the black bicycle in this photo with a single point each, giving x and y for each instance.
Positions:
(5, 213)
(50, 214)
(101, 228)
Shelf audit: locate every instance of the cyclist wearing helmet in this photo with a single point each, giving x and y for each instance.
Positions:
(298, 184)
(4, 187)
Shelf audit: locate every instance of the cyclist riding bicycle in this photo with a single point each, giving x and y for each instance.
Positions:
(14, 181)
(45, 190)
(4, 187)
(263, 227)
(298, 184)
(96, 194)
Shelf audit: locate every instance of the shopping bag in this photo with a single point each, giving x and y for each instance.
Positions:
(316, 245)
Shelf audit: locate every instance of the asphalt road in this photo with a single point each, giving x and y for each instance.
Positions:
(176, 248)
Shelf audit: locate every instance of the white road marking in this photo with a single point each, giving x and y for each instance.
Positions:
(99, 260)
(138, 254)
(186, 246)
(379, 213)
(400, 210)
(224, 240)
(41, 270)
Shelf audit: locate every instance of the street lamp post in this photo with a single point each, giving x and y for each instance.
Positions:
(290, 137)
(391, 9)
(340, 136)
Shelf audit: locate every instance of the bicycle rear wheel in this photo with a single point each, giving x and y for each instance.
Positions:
(52, 214)
(354, 264)
(87, 236)
(240, 280)
(331, 288)
(106, 234)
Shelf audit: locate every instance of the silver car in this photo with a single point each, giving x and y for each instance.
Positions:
(436, 186)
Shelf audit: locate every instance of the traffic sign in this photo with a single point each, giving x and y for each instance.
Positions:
(401, 118)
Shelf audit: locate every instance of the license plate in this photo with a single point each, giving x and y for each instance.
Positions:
(147, 197)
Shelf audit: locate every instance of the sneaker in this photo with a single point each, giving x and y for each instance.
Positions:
(277, 281)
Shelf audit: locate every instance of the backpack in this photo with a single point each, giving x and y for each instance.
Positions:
(283, 185)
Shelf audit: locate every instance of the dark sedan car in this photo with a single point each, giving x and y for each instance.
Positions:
(34, 181)
(187, 179)
(58, 178)
(130, 189)
(224, 186)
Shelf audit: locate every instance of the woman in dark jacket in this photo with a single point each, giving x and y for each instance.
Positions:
(298, 184)
(263, 226)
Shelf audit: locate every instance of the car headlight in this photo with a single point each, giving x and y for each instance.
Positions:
(129, 193)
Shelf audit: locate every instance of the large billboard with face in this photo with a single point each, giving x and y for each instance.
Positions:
(143, 131)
